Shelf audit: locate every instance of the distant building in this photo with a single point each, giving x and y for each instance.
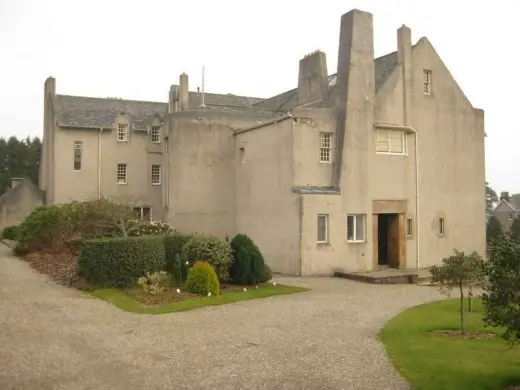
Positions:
(379, 164)
(507, 209)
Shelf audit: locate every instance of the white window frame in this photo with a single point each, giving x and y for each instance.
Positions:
(122, 132)
(156, 176)
(155, 134)
(354, 238)
(78, 146)
(409, 227)
(122, 173)
(326, 218)
(325, 147)
(442, 227)
(385, 142)
(140, 209)
(427, 81)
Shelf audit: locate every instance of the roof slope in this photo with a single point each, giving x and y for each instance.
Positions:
(384, 66)
(89, 112)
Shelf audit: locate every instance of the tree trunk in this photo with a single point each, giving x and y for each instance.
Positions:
(470, 301)
(462, 325)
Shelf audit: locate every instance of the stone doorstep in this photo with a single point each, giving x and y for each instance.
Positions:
(385, 278)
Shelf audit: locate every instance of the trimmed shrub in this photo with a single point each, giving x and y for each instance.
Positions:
(214, 250)
(180, 269)
(10, 233)
(119, 261)
(248, 263)
(202, 279)
(173, 246)
(267, 275)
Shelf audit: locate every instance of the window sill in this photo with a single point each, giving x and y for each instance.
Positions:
(156, 184)
(122, 140)
(156, 142)
(356, 241)
(121, 184)
(322, 243)
(392, 154)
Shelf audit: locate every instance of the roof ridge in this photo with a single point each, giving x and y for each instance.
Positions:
(112, 99)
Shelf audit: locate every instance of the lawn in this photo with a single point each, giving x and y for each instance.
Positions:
(433, 361)
(133, 300)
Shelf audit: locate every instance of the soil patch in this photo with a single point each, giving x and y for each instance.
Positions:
(469, 334)
(60, 267)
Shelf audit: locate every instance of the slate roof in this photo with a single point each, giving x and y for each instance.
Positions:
(89, 112)
(285, 101)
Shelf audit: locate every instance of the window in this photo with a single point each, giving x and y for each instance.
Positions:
(156, 134)
(143, 213)
(78, 148)
(122, 132)
(409, 227)
(325, 147)
(390, 141)
(441, 226)
(242, 152)
(121, 173)
(156, 175)
(427, 82)
(510, 217)
(323, 228)
(356, 228)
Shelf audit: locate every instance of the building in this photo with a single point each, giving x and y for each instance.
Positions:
(507, 209)
(378, 164)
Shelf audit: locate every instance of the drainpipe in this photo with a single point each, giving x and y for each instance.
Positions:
(408, 129)
(99, 162)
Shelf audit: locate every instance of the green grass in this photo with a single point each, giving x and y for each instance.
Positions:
(431, 361)
(125, 302)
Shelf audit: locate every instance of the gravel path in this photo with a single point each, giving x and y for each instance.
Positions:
(52, 337)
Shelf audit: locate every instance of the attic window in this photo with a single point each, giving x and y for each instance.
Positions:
(122, 132)
(156, 134)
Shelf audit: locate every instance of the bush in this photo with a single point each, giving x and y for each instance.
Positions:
(202, 279)
(267, 275)
(180, 269)
(10, 233)
(153, 283)
(173, 246)
(248, 263)
(155, 228)
(215, 251)
(120, 261)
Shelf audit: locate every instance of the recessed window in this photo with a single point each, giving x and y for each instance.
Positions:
(409, 227)
(121, 173)
(441, 227)
(155, 133)
(143, 213)
(242, 154)
(78, 150)
(356, 227)
(323, 228)
(390, 141)
(325, 147)
(156, 175)
(510, 217)
(427, 82)
(122, 132)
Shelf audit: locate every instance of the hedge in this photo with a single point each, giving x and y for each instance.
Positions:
(10, 233)
(120, 261)
(173, 248)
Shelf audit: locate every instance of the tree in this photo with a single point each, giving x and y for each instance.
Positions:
(493, 229)
(19, 158)
(458, 270)
(501, 296)
(491, 198)
(515, 229)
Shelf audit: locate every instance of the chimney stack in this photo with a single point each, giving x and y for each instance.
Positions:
(184, 93)
(313, 82)
(404, 59)
(505, 196)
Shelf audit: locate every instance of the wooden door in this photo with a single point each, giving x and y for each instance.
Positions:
(393, 241)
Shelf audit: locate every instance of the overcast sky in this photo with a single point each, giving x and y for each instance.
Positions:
(137, 49)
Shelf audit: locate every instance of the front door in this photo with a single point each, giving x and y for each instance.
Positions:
(388, 240)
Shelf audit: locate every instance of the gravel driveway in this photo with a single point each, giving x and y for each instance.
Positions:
(52, 337)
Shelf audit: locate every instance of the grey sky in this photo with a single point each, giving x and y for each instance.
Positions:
(137, 49)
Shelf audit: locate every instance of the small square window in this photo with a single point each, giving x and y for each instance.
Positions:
(427, 82)
(441, 227)
(122, 132)
(409, 227)
(325, 147)
(510, 217)
(356, 227)
(156, 175)
(121, 173)
(155, 133)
